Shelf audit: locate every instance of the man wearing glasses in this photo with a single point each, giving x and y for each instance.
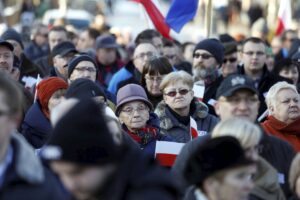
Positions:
(253, 57)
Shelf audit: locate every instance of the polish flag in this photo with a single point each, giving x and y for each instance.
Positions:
(284, 16)
(199, 89)
(193, 128)
(167, 152)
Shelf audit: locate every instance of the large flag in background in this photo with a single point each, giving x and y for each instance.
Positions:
(284, 16)
(156, 17)
(181, 12)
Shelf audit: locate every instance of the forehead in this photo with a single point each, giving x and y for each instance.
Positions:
(64, 167)
(85, 64)
(243, 93)
(4, 49)
(144, 47)
(251, 46)
(58, 34)
(169, 49)
(156, 41)
(202, 51)
(287, 91)
(176, 84)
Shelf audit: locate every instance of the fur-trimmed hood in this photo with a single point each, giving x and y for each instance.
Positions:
(168, 121)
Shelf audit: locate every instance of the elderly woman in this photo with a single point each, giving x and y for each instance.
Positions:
(154, 71)
(266, 184)
(134, 112)
(36, 126)
(179, 105)
(284, 113)
(294, 177)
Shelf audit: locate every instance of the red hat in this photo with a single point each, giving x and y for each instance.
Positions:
(46, 88)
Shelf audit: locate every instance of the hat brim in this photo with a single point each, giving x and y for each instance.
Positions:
(7, 44)
(109, 46)
(230, 92)
(64, 53)
(133, 98)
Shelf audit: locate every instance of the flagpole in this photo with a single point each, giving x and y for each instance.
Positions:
(208, 18)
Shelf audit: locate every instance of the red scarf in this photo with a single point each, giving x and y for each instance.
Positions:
(144, 135)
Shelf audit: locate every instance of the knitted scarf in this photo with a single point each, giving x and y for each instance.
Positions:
(144, 135)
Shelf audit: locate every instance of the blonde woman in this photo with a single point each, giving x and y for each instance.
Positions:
(266, 178)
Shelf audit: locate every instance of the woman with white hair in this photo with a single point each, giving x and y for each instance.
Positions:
(266, 184)
(284, 113)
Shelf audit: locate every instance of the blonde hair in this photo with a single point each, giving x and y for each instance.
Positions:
(294, 172)
(273, 91)
(245, 131)
(174, 77)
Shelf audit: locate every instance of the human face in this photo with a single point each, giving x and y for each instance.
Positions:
(56, 98)
(242, 103)
(60, 63)
(157, 42)
(134, 115)
(85, 41)
(179, 101)
(152, 84)
(171, 54)
(287, 106)
(84, 69)
(106, 56)
(291, 73)
(83, 181)
(188, 52)
(56, 37)
(41, 37)
(253, 57)
(229, 65)
(142, 53)
(6, 59)
(236, 184)
(204, 64)
(17, 48)
(290, 37)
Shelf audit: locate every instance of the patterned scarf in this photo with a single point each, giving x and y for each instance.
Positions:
(144, 135)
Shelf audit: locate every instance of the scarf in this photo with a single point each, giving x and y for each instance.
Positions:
(144, 135)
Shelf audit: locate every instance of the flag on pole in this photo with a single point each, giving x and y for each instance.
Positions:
(156, 17)
(284, 16)
(166, 152)
(180, 13)
(193, 128)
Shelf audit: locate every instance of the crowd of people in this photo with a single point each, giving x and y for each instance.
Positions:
(81, 118)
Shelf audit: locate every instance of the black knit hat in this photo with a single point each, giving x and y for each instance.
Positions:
(63, 49)
(77, 59)
(214, 47)
(215, 155)
(12, 34)
(82, 136)
(84, 88)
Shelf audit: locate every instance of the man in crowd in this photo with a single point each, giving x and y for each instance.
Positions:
(86, 41)
(150, 36)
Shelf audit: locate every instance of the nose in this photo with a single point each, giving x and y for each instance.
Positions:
(243, 104)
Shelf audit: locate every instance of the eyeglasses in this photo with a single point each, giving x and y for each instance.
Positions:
(149, 54)
(130, 110)
(231, 60)
(82, 69)
(251, 53)
(154, 78)
(174, 93)
(203, 56)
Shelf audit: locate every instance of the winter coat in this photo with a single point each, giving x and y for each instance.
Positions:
(28, 68)
(105, 73)
(288, 132)
(34, 52)
(178, 131)
(26, 178)
(36, 128)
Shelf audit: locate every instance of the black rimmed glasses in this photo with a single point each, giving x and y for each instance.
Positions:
(174, 92)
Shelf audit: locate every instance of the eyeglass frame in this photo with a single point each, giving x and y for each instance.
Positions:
(82, 69)
(177, 91)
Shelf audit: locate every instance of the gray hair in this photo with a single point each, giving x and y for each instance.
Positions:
(174, 77)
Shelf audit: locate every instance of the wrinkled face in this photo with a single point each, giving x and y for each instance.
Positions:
(56, 98)
(236, 184)
(142, 53)
(82, 181)
(107, 56)
(85, 41)
(17, 47)
(287, 106)
(134, 115)
(56, 37)
(253, 57)
(204, 64)
(178, 95)
(6, 59)
(243, 103)
(152, 84)
(61, 63)
(291, 73)
(229, 65)
(171, 54)
(84, 69)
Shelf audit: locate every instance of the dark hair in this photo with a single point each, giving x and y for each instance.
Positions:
(168, 43)
(93, 33)
(13, 96)
(253, 40)
(146, 36)
(156, 65)
(283, 37)
(58, 28)
(285, 63)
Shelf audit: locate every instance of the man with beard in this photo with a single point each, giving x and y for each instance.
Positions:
(207, 58)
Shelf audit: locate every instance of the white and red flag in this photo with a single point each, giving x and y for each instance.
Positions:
(166, 152)
(284, 16)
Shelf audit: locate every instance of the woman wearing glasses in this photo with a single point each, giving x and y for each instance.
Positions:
(154, 71)
(179, 105)
(134, 112)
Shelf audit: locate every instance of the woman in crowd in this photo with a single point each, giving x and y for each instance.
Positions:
(284, 113)
(179, 105)
(266, 184)
(154, 71)
(134, 112)
(36, 126)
